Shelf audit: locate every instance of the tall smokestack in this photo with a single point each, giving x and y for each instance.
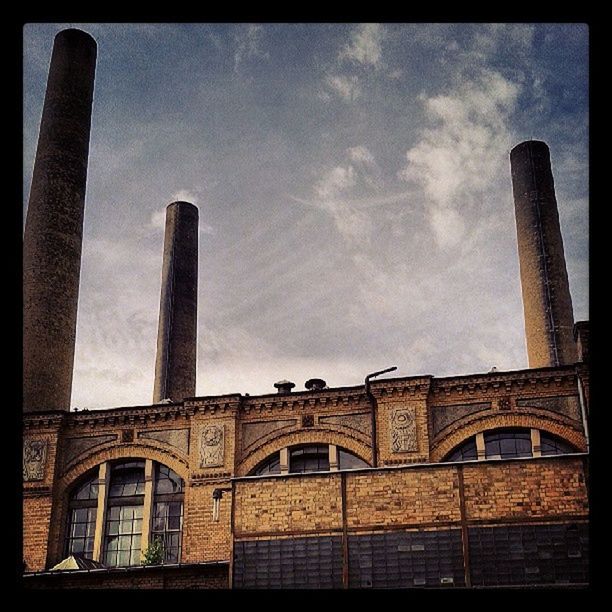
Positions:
(54, 224)
(547, 304)
(175, 365)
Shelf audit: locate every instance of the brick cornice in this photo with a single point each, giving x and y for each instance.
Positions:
(43, 420)
(506, 381)
(317, 400)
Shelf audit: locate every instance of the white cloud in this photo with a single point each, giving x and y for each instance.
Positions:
(345, 86)
(183, 195)
(365, 45)
(458, 162)
(248, 42)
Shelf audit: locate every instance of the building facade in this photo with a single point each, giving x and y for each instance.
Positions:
(468, 481)
(481, 481)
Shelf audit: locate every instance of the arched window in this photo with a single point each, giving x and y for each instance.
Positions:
(509, 443)
(310, 458)
(270, 465)
(313, 458)
(82, 517)
(348, 461)
(127, 498)
(551, 445)
(465, 452)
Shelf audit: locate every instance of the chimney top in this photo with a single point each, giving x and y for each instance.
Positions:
(315, 384)
(284, 386)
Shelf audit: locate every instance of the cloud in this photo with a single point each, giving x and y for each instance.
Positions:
(248, 41)
(183, 195)
(365, 45)
(345, 86)
(339, 192)
(459, 159)
(157, 220)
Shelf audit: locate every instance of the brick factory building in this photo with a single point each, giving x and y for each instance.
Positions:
(478, 480)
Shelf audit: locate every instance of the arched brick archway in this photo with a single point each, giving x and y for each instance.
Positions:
(312, 436)
(457, 437)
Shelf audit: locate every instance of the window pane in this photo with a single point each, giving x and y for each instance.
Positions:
(123, 558)
(167, 481)
(159, 524)
(174, 522)
(347, 461)
(309, 459)
(175, 509)
(113, 528)
(112, 543)
(79, 530)
(508, 443)
(127, 479)
(270, 466)
(77, 546)
(551, 445)
(111, 559)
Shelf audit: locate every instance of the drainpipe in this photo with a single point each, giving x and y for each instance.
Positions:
(583, 411)
(373, 404)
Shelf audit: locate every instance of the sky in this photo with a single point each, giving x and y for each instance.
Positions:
(354, 191)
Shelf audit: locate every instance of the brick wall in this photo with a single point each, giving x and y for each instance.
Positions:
(415, 496)
(205, 539)
(36, 519)
(525, 489)
(288, 504)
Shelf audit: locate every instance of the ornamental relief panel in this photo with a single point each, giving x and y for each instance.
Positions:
(212, 446)
(402, 430)
(34, 459)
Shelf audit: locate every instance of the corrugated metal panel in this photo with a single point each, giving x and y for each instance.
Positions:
(303, 563)
(403, 559)
(529, 554)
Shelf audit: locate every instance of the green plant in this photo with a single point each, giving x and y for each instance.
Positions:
(154, 554)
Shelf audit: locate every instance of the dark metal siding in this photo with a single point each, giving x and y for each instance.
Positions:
(402, 559)
(529, 554)
(302, 563)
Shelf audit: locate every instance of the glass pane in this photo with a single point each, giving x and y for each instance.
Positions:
(79, 529)
(77, 546)
(159, 524)
(270, 466)
(123, 558)
(125, 542)
(347, 461)
(160, 510)
(175, 509)
(137, 511)
(89, 544)
(111, 559)
(79, 515)
(127, 479)
(554, 446)
(112, 543)
(113, 527)
(174, 522)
